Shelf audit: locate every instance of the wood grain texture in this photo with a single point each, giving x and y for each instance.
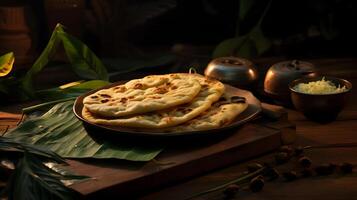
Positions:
(344, 129)
(180, 161)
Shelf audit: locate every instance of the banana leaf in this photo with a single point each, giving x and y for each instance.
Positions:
(33, 180)
(60, 131)
(39, 173)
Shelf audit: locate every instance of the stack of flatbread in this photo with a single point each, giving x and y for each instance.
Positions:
(172, 102)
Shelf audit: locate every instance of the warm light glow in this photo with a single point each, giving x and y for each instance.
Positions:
(270, 74)
(251, 73)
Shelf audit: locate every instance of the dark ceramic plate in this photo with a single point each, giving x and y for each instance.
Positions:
(254, 108)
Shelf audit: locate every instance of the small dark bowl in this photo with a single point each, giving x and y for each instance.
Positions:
(320, 107)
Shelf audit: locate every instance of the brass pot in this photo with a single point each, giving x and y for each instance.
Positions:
(280, 75)
(234, 71)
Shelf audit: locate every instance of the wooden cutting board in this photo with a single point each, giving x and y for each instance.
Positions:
(115, 178)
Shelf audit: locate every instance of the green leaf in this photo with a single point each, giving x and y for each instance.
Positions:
(68, 177)
(238, 46)
(249, 45)
(54, 94)
(42, 61)
(11, 87)
(32, 180)
(89, 85)
(60, 131)
(84, 62)
(9, 145)
(252, 44)
(45, 105)
(227, 47)
(262, 43)
(76, 90)
(6, 63)
(244, 8)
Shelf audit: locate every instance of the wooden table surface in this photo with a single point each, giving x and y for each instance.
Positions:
(343, 130)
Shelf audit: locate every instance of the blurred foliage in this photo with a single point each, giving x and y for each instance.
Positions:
(83, 61)
(285, 26)
(108, 22)
(250, 44)
(6, 63)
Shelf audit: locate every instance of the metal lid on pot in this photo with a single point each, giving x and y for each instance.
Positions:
(232, 70)
(281, 74)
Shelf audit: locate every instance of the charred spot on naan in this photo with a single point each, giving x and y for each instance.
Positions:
(161, 90)
(105, 96)
(120, 89)
(233, 99)
(168, 119)
(154, 97)
(138, 86)
(123, 100)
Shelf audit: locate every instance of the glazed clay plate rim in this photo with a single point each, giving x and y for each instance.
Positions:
(253, 110)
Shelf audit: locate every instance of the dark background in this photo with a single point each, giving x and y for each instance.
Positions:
(295, 28)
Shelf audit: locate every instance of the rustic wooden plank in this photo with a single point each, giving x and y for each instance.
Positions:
(122, 178)
(301, 189)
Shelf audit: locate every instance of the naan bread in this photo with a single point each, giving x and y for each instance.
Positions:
(220, 114)
(210, 92)
(150, 93)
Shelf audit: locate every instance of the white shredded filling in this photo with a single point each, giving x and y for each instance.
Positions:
(319, 87)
